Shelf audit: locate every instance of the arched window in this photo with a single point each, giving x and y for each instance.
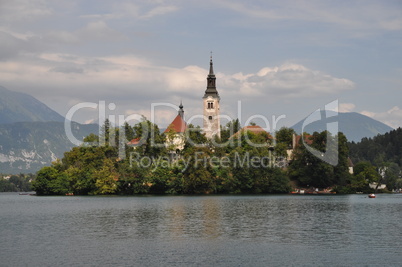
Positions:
(210, 105)
(210, 118)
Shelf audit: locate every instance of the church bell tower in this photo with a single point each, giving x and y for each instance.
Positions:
(211, 106)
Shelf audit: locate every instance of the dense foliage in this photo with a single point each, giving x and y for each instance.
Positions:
(245, 162)
(310, 170)
(16, 183)
(233, 165)
(381, 154)
(379, 149)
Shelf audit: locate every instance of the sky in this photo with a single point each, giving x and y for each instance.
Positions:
(276, 62)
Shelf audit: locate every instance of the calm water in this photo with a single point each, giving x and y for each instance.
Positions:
(202, 231)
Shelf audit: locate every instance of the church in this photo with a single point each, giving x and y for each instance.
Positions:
(175, 132)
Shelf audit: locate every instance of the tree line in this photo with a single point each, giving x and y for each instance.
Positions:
(243, 163)
(16, 182)
(382, 155)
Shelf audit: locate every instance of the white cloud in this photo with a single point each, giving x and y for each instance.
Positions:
(391, 117)
(183, 80)
(288, 80)
(346, 107)
(133, 83)
(98, 30)
(159, 10)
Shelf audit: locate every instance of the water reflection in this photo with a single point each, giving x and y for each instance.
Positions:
(276, 219)
(229, 230)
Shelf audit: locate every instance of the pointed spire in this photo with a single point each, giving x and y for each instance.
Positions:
(181, 111)
(211, 67)
(211, 81)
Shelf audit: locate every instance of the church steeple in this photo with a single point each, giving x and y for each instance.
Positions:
(211, 105)
(211, 82)
(181, 111)
(211, 67)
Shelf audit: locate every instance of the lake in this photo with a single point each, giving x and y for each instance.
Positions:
(271, 230)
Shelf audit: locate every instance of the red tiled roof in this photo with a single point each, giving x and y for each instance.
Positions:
(307, 139)
(252, 128)
(134, 142)
(178, 125)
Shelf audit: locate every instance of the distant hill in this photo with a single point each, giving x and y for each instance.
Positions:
(31, 134)
(354, 125)
(21, 107)
(28, 146)
(379, 149)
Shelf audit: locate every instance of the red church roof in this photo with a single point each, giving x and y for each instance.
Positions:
(134, 142)
(178, 125)
(252, 128)
(307, 139)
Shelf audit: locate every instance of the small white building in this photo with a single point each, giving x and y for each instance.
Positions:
(176, 133)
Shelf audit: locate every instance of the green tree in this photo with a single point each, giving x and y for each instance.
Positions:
(104, 138)
(129, 131)
(92, 139)
(198, 176)
(229, 130)
(285, 135)
(311, 170)
(151, 140)
(50, 182)
(341, 170)
(194, 137)
(364, 174)
(106, 179)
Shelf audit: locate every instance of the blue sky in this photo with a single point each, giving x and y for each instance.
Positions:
(276, 57)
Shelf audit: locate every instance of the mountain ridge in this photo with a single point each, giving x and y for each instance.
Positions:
(28, 146)
(32, 135)
(354, 125)
(22, 107)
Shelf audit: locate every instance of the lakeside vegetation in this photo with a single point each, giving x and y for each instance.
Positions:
(247, 163)
(16, 183)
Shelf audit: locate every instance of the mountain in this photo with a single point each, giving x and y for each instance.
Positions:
(354, 125)
(31, 134)
(21, 107)
(28, 146)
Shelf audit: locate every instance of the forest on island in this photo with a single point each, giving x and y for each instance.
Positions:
(245, 163)
(16, 182)
(381, 154)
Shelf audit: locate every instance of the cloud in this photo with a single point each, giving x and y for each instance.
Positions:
(159, 10)
(391, 117)
(289, 80)
(94, 31)
(13, 44)
(347, 14)
(140, 10)
(98, 30)
(346, 107)
(182, 80)
(133, 83)
(24, 10)
(67, 69)
(10, 46)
